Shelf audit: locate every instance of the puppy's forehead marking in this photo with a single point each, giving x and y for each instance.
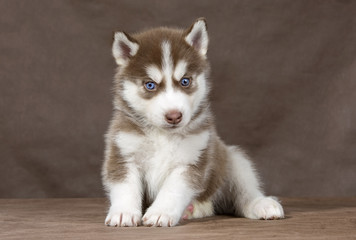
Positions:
(154, 73)
(167, 61)
(180, 70)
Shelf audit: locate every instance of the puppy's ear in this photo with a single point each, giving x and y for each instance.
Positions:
(197, 36)
(124, 47)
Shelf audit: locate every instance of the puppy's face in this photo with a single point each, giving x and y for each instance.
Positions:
(162, 74)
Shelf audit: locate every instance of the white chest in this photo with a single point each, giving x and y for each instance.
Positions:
(157, 154)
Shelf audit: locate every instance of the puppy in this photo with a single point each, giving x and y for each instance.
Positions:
(163, 153)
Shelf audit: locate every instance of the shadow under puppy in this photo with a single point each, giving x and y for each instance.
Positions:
(163, 153)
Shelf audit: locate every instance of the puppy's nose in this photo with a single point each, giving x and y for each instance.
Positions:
(174, 117)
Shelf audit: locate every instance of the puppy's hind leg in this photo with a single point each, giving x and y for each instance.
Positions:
(199, 209)
(249, 200)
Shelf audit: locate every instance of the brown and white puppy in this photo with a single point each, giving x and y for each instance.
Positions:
(162, 149)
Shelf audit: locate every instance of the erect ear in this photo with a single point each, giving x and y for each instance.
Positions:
(197, 36)
(124, 47)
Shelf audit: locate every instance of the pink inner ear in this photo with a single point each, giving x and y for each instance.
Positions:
(196, 41)
(125, 50)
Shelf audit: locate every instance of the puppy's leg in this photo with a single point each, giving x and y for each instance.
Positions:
(249, 199)
(171, 201)
(126, 200)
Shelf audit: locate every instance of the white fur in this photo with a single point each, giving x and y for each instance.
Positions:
(128, 143)
(162, 173)
(125, 198)
(168, 101)
(167, 61)
(171, 201)
(180, 70)
(250, 199)
(159, 152)
(201, 92)
(244, 175)
(131, 96)
(264, 208)
(199, 210)
(154, 73)
(166, 152)
(116, 50)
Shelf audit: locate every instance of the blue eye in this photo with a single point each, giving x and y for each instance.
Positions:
(150, 86)
(185, 82)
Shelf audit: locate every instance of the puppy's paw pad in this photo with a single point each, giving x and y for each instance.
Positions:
(123, 219)
(199, 210)
(265, 208)
(188, 213)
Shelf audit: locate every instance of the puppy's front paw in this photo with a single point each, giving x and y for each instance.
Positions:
(119, 218)
(159, 219)
(264, 208)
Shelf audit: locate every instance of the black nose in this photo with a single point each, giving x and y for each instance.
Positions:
(174, 117)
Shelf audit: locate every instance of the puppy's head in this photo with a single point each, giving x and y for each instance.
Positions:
(162, 75)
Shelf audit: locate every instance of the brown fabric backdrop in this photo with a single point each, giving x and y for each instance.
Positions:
(284, 77)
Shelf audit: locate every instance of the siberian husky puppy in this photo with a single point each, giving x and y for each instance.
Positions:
(162, 150)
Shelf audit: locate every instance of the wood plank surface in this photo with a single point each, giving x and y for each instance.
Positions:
(84, 219)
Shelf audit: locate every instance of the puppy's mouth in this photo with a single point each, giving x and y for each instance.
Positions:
(172, 126)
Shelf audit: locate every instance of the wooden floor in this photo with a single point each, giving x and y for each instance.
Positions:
(84, 219)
